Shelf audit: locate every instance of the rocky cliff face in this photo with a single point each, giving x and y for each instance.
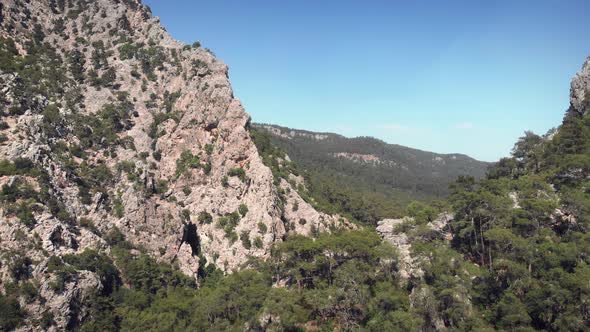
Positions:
(110, 124)
(579, 89)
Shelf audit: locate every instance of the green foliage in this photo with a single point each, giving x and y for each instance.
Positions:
(205, 218)
(20, 267)
(93, 261)
(207, 168)
(238, 172)
(25, 215)
(421, 212)
(76, 61)
(243, 209)
(115, 237)
(47, 320)
(100, 130)
(158, 119)
(258, 242)
(87, 223)
(187, 161)
(20, 166)
(325, 278)
(11, 313)
(228, 223)
(185, 215)
(209, 149)
(245, 238)
(128, 50)
(118, 208)
(262, 227)
(532, 259)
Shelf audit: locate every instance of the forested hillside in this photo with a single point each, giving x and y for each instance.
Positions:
(366, 176)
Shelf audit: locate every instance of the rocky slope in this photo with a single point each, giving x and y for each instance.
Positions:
(110, 126)
(579, 90)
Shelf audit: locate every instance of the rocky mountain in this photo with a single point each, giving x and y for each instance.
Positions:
(379, 165)
(111, 130)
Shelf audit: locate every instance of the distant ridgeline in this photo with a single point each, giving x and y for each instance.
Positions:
(388, 175)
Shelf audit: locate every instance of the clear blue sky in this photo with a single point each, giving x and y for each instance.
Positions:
(445, 76)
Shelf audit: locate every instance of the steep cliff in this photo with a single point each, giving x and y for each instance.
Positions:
(579, 89)
(110, 127)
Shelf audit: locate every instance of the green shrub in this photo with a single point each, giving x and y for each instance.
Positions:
(25, 215)
(161, 186)
(229, 222)
(187, 190)
(87, 223)
(258, 242)
(20, 166)
(20, 268)
(207, 168)
(209, 149)
(11, 313)
(118, 207)
(47, 320)
(103, 266)
(243, 209)
(245, 238)
(205, 218)
(262, 227)
(232, 237)
(239, 172)
(187, 161)
(29, 291)
(157, 155)
(114, 237)
(185, 215)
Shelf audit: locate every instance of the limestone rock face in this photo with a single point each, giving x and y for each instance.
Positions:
(133, 130)
(580, 89)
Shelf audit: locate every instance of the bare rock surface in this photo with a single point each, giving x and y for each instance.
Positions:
(579, 91)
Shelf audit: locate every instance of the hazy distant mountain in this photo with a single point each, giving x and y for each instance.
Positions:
(374, 164)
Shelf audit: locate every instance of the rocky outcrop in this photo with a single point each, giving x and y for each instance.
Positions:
(579, 90)
(398, 233)
(290, 133)
(130, 130)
